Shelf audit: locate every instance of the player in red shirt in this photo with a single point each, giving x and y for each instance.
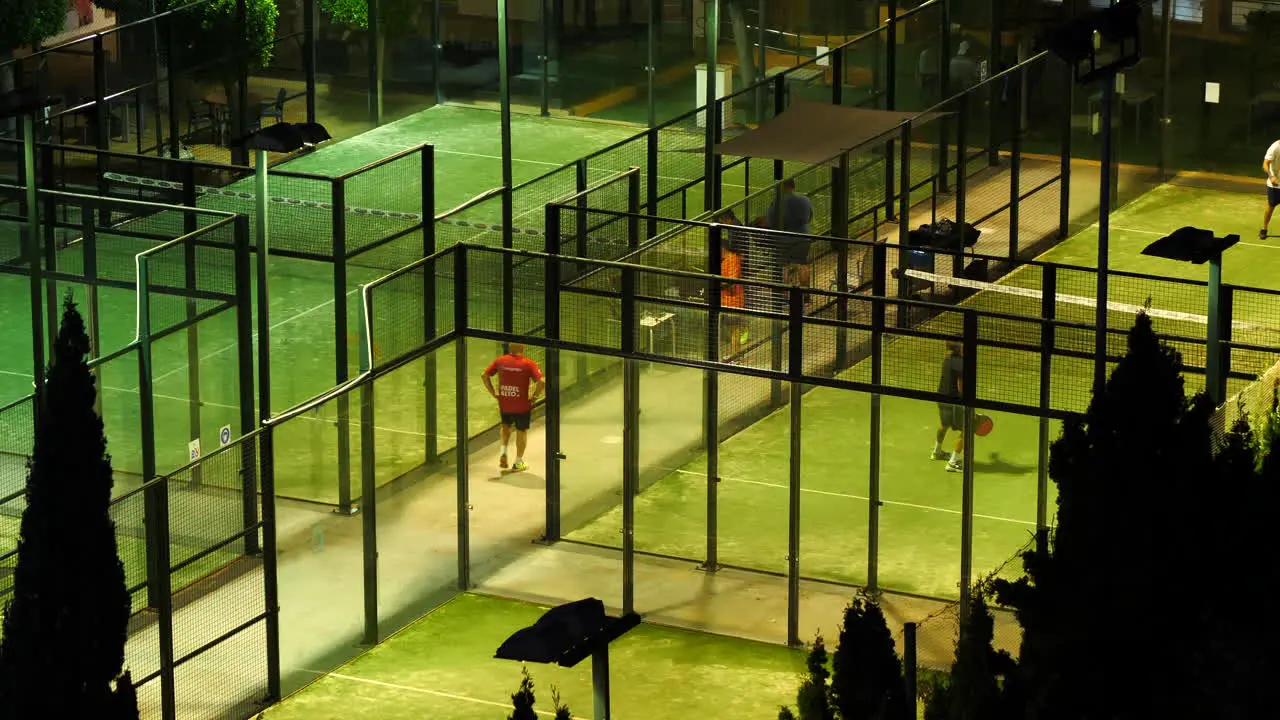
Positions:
(515, 372)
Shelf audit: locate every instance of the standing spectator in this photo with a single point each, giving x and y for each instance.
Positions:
(797, 213)
(1269, 162)
(964, 69)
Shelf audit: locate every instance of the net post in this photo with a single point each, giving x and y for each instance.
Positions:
(1048, 343)
(711, 395)
(551, 323)
(430, 380)
(341, 361)
(969, 391)
(92, 323)
(879, 286)
(794, 372)
(270, 569)
(461, 425)
(244, 366)
(155, 500)
(633, 209)
(904, 219)
(651, 180)
(1015, 162)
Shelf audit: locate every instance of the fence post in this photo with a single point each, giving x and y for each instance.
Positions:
(49, 211)
(779, 106)
(904, 220)
(1048, 343)
(368, 486)
(374, 35)
(715, 168)
(962, 180)
(244, 365)
(1064, 173)
(909, 668)
(1015, 163)
(651, 180)
(630, 436)
(309, 32)
(155, 501)
(836, 58)
(92, 323)
(969, 390)
(508, 264)
(341, 350)
(891, 60)
(994, 55)
(190, 225)
(172, 71)
(461, 426)
(1215, 380)
(840, 231)
(431, 381)
(551, 325)
(711, 395)
(1226, 299)
(270, 574)
(633, 209)
(879, 285)
(795, 369)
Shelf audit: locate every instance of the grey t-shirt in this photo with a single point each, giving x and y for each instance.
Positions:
(952, 374)
(797, 213)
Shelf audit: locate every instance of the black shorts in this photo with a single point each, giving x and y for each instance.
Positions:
(1273, 196)
(520, 420)
(951, 416)
(796, 253)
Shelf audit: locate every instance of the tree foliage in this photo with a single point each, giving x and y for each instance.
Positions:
(397, 17)
(866, 678)
(522, 700)
(66, 621)
(214, 42)
(560, 709)
(975, 690)
(813, 700)
(1143, 505)
(27, 23)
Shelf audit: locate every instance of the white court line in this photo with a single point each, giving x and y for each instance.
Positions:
(865, 499)
(424, 691)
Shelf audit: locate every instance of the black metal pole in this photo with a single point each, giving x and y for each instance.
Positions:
(891, 61)
(630, 437)
(369, 512)
(244, 365)
(270, 574)
(33, 256)
(1015, 162)
(651, 67)
(93, 324)
(46, 174)
(171, 87)
(462, 427)
(241, 103)
(795, 349)
(962, 179)
(909, 667)
(375, 45)
(711, 397)
(309, 31)
(437, 49)
(1048, 343)
(904, 219)
(1104, 232)
(547, 10)
(1064, 167)
(879, 288)
(551, 322)
(970, 383)
(710, 117)
(341, 361)
(431, 384)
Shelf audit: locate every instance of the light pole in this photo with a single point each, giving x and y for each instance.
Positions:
(568, 634)
(278, 138)
(1198, 246)
(26, 102)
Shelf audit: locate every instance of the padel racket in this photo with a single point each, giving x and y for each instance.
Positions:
(983, 425)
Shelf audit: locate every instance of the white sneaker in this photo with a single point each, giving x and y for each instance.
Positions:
(954, 466)
(939, 455)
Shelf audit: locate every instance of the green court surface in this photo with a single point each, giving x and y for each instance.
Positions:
(443, 667)
(920, 520)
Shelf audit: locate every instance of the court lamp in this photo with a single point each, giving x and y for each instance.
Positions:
(1097, 46)
(1197, 246)
(25, 103)
(278, 138)
(568, 634)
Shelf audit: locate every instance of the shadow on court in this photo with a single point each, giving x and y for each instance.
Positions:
(997, 465)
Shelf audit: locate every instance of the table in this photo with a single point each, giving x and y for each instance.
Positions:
(652, 321)
(219, 107)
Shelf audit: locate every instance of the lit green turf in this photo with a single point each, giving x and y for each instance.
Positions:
(443, 666)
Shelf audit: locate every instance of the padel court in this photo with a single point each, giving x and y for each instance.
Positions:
(442, 666)
(920, 519)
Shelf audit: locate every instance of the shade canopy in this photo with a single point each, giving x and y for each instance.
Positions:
(26, 100)
(1190, 244)
(567, 634)
(286, 137)
(818, 133)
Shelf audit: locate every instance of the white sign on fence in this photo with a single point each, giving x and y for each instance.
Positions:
(193, 449)
(224, 435)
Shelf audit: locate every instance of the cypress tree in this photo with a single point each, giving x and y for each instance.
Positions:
(813, 700)
(66, 622)
(561, 710)
(522, 700)
(866, 678)
(975, 689)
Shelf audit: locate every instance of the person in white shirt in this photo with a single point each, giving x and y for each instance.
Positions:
(1269, 166)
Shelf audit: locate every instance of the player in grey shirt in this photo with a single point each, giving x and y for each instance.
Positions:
(797, 213)
(1271, 166)
(951, 417)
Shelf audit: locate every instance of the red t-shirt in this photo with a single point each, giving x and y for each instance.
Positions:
(514, 372)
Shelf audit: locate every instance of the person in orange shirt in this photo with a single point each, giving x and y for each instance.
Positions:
(732, 295)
